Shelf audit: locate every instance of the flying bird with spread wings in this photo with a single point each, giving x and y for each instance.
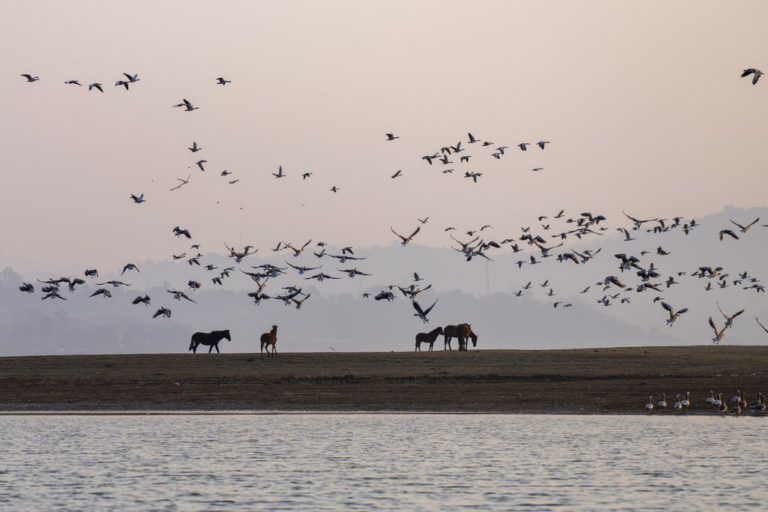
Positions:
(407, 239)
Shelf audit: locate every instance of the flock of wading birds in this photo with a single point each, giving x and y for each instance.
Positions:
(550, 234)
(738, 404)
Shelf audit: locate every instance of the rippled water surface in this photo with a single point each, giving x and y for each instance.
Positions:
(381, 462)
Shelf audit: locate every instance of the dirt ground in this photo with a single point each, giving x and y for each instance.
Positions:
(612, 380)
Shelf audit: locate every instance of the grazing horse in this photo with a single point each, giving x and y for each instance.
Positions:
(464, 332)
(211, 339)
(267, 339)
(428, 337)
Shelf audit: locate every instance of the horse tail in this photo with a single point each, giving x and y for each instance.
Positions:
(193, 342)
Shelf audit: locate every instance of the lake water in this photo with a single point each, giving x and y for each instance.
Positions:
(382, 462)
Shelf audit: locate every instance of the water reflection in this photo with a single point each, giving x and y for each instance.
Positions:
(381, 462)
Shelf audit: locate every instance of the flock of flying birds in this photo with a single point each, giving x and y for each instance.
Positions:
(538, 245)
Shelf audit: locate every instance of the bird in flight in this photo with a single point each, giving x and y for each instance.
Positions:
(297, 252)
(279, 173)
(195, 148)
(422, 313)
(200, 164)
(391, 136)
(303, 269)
(727, 232)
(744, 228)
(673, 315)
(162, 312)
(728, 318)
(542, 143)
(102, 291)
(30, 78)
(183, 182)
(188, 106)
(178, 295)
(473, 175)
(221, 81)
(141, 300)
(114, 283)
(130, 266)
(352, 272)
(408, 238)
(397, 174)
(751, 71)
(138, 199)
(95, 85)
(73, 82)
(756, 319)
(718, 332)
(178, 232)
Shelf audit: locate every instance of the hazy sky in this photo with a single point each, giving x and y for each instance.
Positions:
(642, 103)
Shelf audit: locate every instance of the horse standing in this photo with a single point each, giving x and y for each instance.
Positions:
(267, 339)
(211, 339)
(449, 331)
(464, 331)
(428, 337)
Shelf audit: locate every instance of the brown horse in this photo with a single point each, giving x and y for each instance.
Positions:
(449, 332)
(464, 331)
(267, 339)
(428, 337)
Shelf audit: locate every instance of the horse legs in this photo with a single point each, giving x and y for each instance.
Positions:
(217, 347)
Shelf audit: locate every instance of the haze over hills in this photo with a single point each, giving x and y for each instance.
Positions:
(480, 292)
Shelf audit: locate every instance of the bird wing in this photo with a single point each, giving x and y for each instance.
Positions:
(667, 307)
(398, 234)
(737, 314)
(760, 324)
(630, 217)
(430, 308)
(721, 310)
(418, 308)
(737, 224)
(712, 324)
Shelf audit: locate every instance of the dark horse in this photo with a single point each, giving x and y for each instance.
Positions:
(211, 339)
(428, 337)
(464, 332)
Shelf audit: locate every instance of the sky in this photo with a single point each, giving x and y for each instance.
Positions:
(641, 102)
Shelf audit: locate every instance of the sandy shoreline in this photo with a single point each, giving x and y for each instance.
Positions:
(582, 381)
